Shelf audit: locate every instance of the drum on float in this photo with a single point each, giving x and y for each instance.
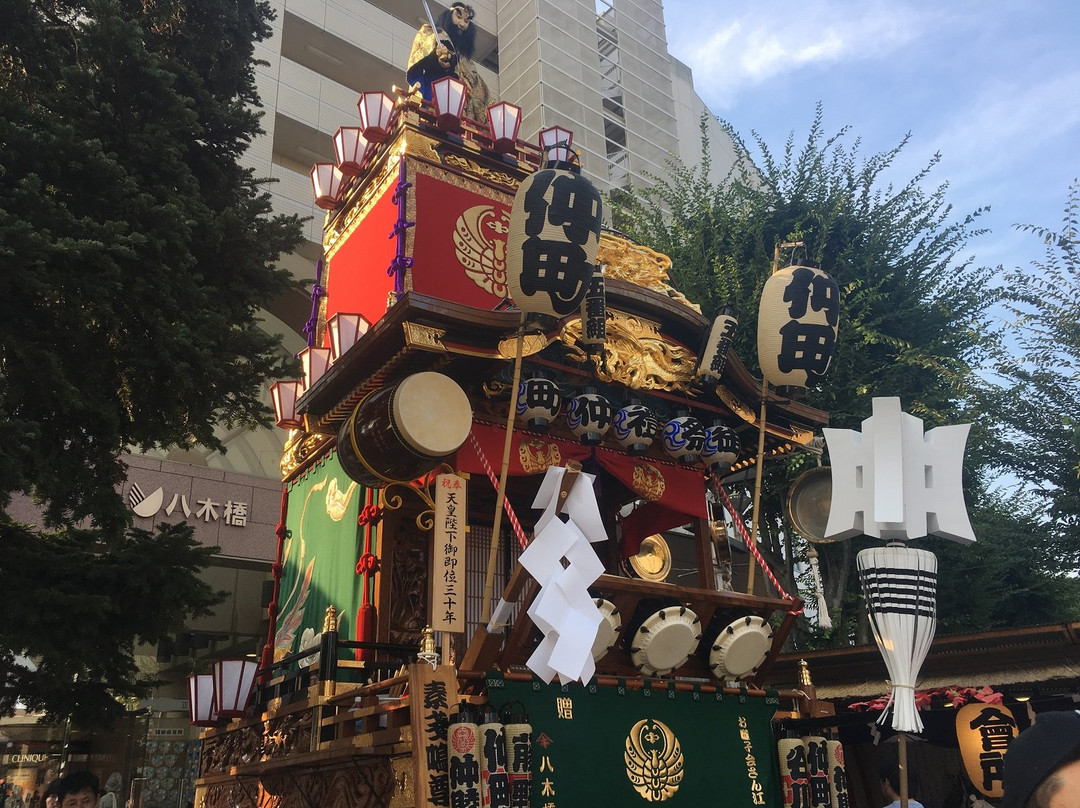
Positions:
(401, 432)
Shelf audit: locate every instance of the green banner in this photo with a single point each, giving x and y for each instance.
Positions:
(596, 745)
(321, 550)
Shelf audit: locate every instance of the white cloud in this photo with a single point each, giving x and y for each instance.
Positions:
(778, 38)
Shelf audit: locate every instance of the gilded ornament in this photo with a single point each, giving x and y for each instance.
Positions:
(623, 260)
(537, 455)
(424, 336)
(648, 482)
(655, 764)
(636, 355)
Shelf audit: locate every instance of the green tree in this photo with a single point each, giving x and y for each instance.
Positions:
(914, 320)
(1037, 403)
(136, 253)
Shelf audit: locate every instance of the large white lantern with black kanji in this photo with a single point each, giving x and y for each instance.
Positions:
(635, 427)
(589, 417)
(721, 447)
(684, 438)
(538, 402)
(552, 242)
(797, 326)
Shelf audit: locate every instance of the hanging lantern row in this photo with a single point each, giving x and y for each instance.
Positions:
(353, 145)
(223, 694)
(589, 417)
(344, 330)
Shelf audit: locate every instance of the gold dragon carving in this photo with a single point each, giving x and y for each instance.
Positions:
(636, 355)
(623, 260)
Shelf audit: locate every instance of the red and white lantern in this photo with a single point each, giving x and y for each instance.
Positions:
(345, 330)
(350, 148)
(556, 142)
(504, 123)
(326, 182)
(315, 362)
(376, 110)
(448, 94)
(284, 396)
(234, 679)
(202, 711)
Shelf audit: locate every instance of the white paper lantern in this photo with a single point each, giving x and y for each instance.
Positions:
(684, 438)
(589, 417)
(635, 427)
(797, 326)
(721, 447)
(538, 402)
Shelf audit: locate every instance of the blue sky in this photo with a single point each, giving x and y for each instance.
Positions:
(993, 85)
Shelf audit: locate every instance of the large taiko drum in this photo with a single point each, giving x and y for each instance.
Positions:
(401, 432)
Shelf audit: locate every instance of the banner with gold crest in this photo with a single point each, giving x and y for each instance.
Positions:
(594, 745)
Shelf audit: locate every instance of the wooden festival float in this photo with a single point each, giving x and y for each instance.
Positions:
(401, 664)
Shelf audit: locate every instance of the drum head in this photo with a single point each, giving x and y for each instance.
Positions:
(653, 560)
(432, 413)
(740, 648)
(665, 640)
(808, 503)
(608, 632)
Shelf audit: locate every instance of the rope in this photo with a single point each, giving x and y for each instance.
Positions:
(514, 523)
(749, 541)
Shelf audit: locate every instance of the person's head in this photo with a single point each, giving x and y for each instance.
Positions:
(890, 779)
(1042, 766)
(78, 790)
(457, 21)
(52, 794)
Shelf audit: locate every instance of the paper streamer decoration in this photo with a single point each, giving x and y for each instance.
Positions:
(838, 787)
(494, 779)
(562, 561)
(817, 771)
(463, 739)
(793, 778)
(519, 758)
(797, 326)
(900, 587)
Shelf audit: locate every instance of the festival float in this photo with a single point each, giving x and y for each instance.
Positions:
(502, 577)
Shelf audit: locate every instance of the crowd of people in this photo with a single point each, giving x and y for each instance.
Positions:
(76, 790)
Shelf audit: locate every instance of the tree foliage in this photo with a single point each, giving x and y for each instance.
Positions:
(136, 250)
(136, 253)
(1038, 400)
(914, 309)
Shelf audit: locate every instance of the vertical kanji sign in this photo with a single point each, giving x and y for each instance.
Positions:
(434, 691)
(448, 557)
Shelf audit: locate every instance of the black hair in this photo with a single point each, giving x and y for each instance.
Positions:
(76, 782)
(464, 42)
(52, 789)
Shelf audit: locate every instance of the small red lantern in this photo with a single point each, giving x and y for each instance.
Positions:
(326, 181)
(202, 711)
(448, 93)
(315, 362)
(556, 142)
(345, 330)
(284, 396)
(504, 122)
(376, 110)
(350, 146)
(234, 680)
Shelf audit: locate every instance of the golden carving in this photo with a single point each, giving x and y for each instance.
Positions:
(636, 355)
(648, 482)
(537, 455)
(533, 343)
(736, 406)
(465, 164)
(424, 336)
(623, 260)
(654, 760)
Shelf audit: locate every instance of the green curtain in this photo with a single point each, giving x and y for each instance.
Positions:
(321, 549)
(597, 745)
